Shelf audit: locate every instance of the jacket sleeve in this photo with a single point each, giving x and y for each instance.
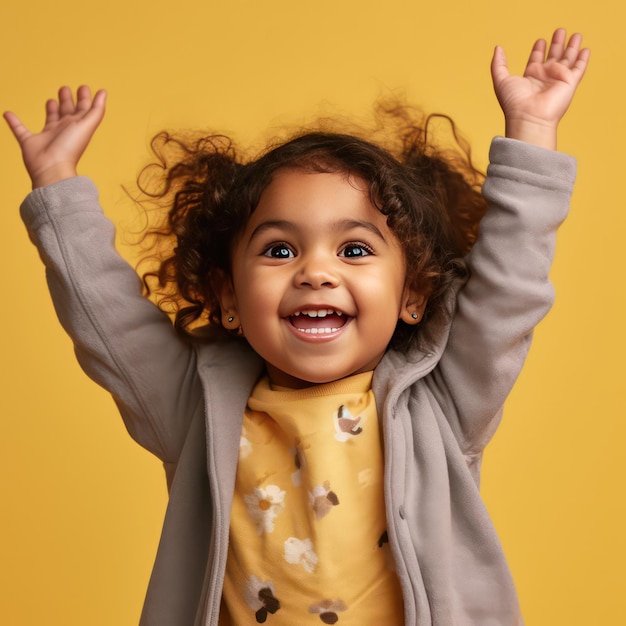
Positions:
(528, 191)
(122, 340)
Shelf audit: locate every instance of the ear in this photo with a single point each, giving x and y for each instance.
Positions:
(412, 306)
(225, 291)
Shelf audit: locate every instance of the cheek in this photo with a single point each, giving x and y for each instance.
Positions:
(381, 305)
(256, 296)
(395, 282)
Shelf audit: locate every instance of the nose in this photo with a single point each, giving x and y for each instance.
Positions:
(316, 273)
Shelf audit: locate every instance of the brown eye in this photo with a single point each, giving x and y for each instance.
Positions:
(279, 251)
(356, 250)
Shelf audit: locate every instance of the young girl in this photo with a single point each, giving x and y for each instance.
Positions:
(323, 450)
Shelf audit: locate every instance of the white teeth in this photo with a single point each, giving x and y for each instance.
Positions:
(318, 313)
(318, 331)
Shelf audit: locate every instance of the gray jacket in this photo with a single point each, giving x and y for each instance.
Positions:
(439, 409)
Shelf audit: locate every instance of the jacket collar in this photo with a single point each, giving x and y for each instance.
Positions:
(397, 371)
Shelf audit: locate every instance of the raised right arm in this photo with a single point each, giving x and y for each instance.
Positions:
(52, 154)
(122, 340)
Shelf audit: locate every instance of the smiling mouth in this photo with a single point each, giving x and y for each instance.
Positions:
(318, 322)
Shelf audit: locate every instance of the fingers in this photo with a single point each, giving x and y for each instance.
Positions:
(573, 48)
(569, 55)
(66, 105)
(52, 111)
(83, 98)
(91, 110)
(557, 44)
(537, 54)
(575, 57)
(580, 64)
(66, 101)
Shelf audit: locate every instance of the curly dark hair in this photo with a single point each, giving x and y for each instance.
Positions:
(430, 195)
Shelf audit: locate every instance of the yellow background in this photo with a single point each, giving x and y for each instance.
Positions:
(81, 504)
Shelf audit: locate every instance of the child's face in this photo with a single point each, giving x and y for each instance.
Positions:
(318, 279)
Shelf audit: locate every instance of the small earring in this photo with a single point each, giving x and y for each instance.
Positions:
(415, 316)
(231, 319)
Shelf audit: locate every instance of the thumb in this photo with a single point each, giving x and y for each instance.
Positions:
(20, 132)
(95, 113)
(499, 67)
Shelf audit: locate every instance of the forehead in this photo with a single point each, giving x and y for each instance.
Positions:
(313, 198)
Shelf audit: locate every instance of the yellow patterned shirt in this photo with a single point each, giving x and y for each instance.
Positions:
(308, 541)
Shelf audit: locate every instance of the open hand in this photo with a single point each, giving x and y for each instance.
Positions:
(53, 154)
(533, 104)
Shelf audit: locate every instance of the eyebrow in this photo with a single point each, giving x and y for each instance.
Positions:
(341, 225)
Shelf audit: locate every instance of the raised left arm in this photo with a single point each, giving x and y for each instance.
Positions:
(534, 103)
(509, 291)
